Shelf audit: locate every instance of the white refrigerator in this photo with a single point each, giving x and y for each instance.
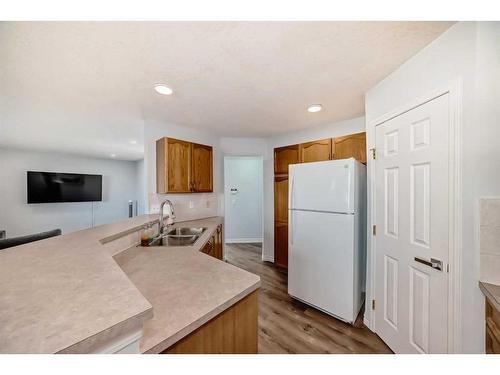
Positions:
(327, 236)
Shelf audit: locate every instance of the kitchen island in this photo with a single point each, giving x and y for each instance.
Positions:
(96, 291)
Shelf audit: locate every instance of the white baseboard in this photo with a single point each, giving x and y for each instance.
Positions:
(367, 323)
(243, 240)
(268, 258)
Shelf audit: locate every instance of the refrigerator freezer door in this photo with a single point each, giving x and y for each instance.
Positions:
(320, 266)
(326, 186)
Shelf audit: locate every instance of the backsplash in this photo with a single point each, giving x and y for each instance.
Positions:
(489, 239)
(187, 206)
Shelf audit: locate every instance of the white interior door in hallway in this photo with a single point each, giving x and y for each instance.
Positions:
(412, 218)
(244, 194)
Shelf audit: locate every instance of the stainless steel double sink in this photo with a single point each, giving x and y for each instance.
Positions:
(178, 237)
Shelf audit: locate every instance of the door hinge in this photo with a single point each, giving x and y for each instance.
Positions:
(374, 230)
(374, 153)
(373, 304)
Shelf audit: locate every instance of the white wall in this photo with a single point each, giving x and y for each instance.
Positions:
(243, 208)
(467, 51)
(141, 187)
(19, 218)
(337, 129)
(187, 206)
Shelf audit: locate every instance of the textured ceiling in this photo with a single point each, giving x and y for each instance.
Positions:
(86, 87)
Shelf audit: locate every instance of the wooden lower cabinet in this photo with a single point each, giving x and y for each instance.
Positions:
(213, 247)
(234, 331)
(492, 329)
(219, 254)
(281, 244)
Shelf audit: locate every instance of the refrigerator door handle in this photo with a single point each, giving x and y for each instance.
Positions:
(291, 194)
(291, 230)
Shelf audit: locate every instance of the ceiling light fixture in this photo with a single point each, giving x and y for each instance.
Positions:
(113, 155)
(132, 142)
(314, 108)
(163, 89)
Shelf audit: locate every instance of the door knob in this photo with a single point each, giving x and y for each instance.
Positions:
(433, 263)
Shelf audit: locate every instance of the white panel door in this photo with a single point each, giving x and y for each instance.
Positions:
(322, 186)
(411, 204)
(321, 261)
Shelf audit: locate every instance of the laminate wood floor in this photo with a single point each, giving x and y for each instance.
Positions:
(289, 326)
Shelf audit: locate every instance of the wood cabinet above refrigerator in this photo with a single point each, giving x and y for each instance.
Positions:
(349, 146)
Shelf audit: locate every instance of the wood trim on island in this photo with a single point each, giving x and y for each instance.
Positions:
(234, 331)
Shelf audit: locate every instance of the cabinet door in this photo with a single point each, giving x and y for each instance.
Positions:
(218, 243)
(350, 146)
(173, 162)
(281, 244)
(315, 151)
(284, 156)
(209, 247)
(201, 168)
(281, 199)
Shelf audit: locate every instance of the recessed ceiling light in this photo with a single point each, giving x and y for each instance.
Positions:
(314, 108)
(113, 155)
(132, 142)
(163, 89)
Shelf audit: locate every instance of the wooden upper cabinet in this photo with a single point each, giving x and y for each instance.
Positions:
(201, 168)
(173, 164)
(283, 156)
(315, 151)
(281, 199)
(183, 167)
(350, 146)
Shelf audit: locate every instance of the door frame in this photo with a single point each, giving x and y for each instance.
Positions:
(454, 90)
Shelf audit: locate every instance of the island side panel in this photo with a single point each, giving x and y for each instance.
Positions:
(234, 331)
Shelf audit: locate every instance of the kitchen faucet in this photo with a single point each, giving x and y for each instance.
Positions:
(170, 217)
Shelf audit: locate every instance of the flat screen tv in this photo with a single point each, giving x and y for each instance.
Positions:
(50, 187)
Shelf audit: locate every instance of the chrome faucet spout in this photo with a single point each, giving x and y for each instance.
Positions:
(161, 216)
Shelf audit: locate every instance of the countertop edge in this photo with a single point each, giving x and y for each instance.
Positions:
(95, 238)
(140, 317)
(201, 321)
(489, 294)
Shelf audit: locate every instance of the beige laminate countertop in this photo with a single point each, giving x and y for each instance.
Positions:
(492, 293)
(186, 287)
(68, 294)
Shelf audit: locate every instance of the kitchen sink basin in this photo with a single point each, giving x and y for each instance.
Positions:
(174, 241)
(178, 237)
(186, 231)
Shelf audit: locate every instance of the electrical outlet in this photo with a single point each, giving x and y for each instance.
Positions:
(208, 204)
(191, 204)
